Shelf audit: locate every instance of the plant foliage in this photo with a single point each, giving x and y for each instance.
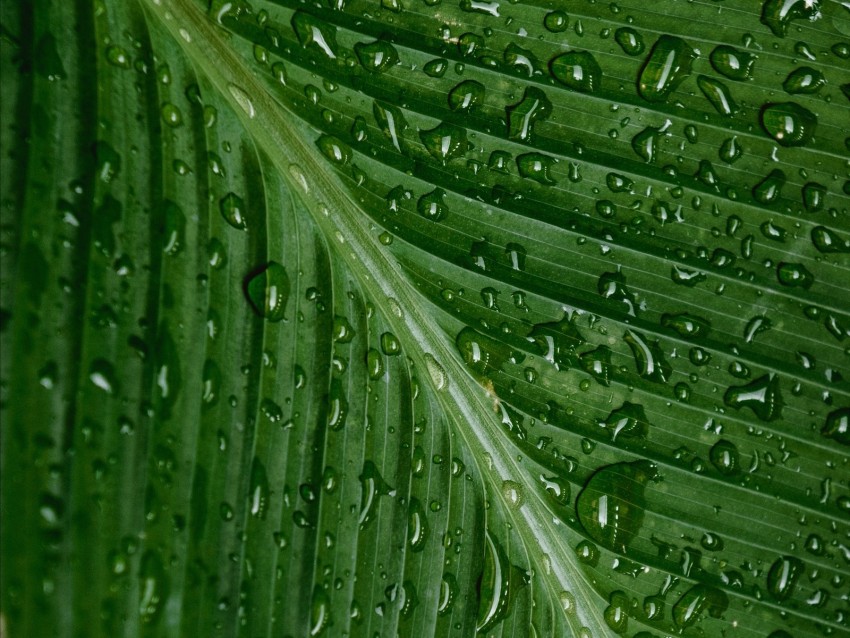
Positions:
(425, 318)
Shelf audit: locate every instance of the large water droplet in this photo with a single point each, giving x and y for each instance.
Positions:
(611, 506)
(668, 65)
(533, 107)
(805, 80)
(724, 456)
(377, 56)
(314, 33)
(718, 94)
(777, 14)
(372, 486)
(268, 291)
(649, 357)
(536, 166)
(734, 64)
(762, 396)
(783, 576)
(466, 96)
(699, 598)
(628, 421)
(578, 70)
(445, 141)
(788, 123)
(233, 210)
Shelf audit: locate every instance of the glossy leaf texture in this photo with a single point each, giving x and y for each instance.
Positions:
(425, 317)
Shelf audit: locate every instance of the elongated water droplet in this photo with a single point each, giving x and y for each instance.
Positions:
(649, 357)
(314, 33)
(698, 599)
(268, 291)
(783, 576)
(372, 486)
(794, 275)
(718, 94)
(391, 121)
(827, 241)
(495, 586)
(233, 210)
(533, 107)
(666, 67)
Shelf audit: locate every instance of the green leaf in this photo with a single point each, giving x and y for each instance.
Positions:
(425, 318)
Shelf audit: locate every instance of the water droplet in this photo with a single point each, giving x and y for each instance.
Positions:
(374, 364)
(392, 122)
(828, 241)
(645, 143)
(417, 526)
(521, 61)
(233, 210)
(805, 80)
(597, 363)
(448, 592)
(116, 56)
(611, 506)
(436, 372)
(466, 96)
(616, 613)
(372, 486)
(320, 611)
(377, 56)
(686, 325)
(699, 598)
(241, 98)
(718, 94)
(337, 405)
(668, 65)
(268, 291)
(481, 353)
(612, 285)
(556, 21)
(494, 586)
(258, 490)
(628, 421)
(522, 116)
(102, 375)
(513, 493)
(536, 166)
(788, 123)
(730, 151)
(436, 68)
(762, 396)
(777, 14)
(783, 576)
(630, 41)
(837, 426)
(556, 341)
(334, 149)
(171, 115)
(794, 275)
(432, 205)
(724, 456)
(769, 189)
(445, 141)
(649, 358)
(314, 33)
(578, 70)
(154, 588)
(813, 196)
(734, 64)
